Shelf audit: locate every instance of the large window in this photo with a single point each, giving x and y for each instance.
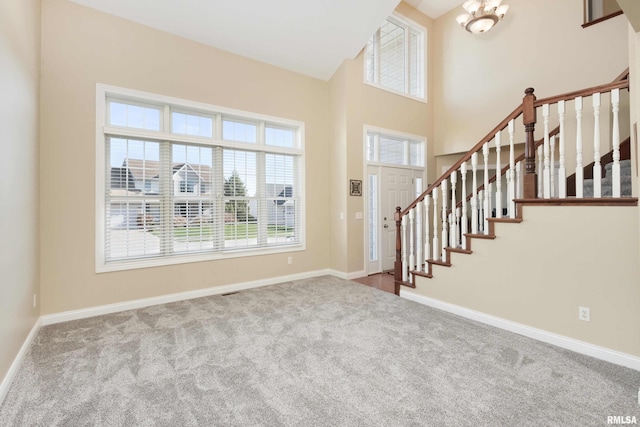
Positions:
(394, 57)
(181, 181)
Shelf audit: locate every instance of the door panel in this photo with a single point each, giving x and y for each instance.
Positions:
(396, 189)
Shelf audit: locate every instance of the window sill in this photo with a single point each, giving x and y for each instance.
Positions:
(102, 267)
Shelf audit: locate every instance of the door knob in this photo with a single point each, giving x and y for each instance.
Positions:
(386, 226)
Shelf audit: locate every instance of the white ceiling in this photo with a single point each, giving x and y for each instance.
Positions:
(434, 8)
(309, 37)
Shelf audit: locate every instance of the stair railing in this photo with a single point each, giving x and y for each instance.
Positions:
(435, 222)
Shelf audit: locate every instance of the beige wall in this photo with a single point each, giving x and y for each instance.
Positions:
(82, 47)
(481, 78)
(19, 86)
(634, 75)
(361, 104)
(541, 281)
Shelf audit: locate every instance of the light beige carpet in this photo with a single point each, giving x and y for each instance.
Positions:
(318, 352)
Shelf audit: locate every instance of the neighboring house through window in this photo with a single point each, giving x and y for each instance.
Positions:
(395, 57)
(180, 181)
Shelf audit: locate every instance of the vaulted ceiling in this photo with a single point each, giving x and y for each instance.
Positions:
(309, 37)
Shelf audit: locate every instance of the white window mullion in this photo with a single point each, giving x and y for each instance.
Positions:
(218, 199)
(407, 61)
(262, 201)
(166, 119)
(376, 147)
(407, 152)
(166, 200)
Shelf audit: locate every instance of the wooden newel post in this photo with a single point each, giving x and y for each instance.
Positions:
(398, 264)
(529, 120)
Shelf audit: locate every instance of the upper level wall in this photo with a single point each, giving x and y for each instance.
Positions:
(358, 104)
(479, 79)
(19, 85)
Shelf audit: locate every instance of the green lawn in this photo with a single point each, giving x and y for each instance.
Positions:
(240, 230)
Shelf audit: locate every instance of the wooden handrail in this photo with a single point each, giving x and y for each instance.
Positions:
(622, 84)
(619, 83)
(623, 76)
(528, 109)
(514, 114)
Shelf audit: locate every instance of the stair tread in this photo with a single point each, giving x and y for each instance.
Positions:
(506, 220)
(459, 250)
(421, 274)
(442, 263)
(480, 236)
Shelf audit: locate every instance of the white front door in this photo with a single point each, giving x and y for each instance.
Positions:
(388, 187)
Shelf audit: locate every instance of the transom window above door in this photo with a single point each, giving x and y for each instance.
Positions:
(387, 149)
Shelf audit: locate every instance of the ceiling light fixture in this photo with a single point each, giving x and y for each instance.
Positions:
(481, 15)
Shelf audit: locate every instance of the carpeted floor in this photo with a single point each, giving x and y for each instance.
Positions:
(317, 352)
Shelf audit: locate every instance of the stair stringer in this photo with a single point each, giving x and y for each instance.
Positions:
(538, 272)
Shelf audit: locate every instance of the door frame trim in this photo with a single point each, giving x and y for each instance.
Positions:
(379, 165)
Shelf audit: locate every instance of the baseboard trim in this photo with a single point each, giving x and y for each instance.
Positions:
(356, 274)
(572, 344)
(84, 313)
(17, 362)
(347, 276)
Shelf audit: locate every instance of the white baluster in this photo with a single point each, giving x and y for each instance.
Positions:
(464, 228)
(615, 168)
(546, 174)
(498, 177)
(481, 212)
(519, 180)
(405, 275)
(445, 222)
(474, 194)
(511, 177)
(552, 168)
(579, 167)
(562, 170)
(427, 237)
(487, 189)
(404, 249)
(539, 172)
(458, 224)
(597, 167)
(453, 238)
(436, 242)
(412, 256)
(419, 236)
(452, 229)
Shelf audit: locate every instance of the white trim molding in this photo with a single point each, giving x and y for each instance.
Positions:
(572, 344)
(50, 319)
(17, 362)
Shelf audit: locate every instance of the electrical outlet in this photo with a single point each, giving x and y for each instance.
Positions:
(584, 313)
(35, 300)
(290, 260)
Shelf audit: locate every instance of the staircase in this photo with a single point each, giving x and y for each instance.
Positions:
(468, 200)
(607, 182)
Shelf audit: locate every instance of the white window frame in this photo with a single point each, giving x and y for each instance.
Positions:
(106, 93)
(405, 137)
(409, 25)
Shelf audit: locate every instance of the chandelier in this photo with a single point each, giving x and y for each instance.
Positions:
(481, 15)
